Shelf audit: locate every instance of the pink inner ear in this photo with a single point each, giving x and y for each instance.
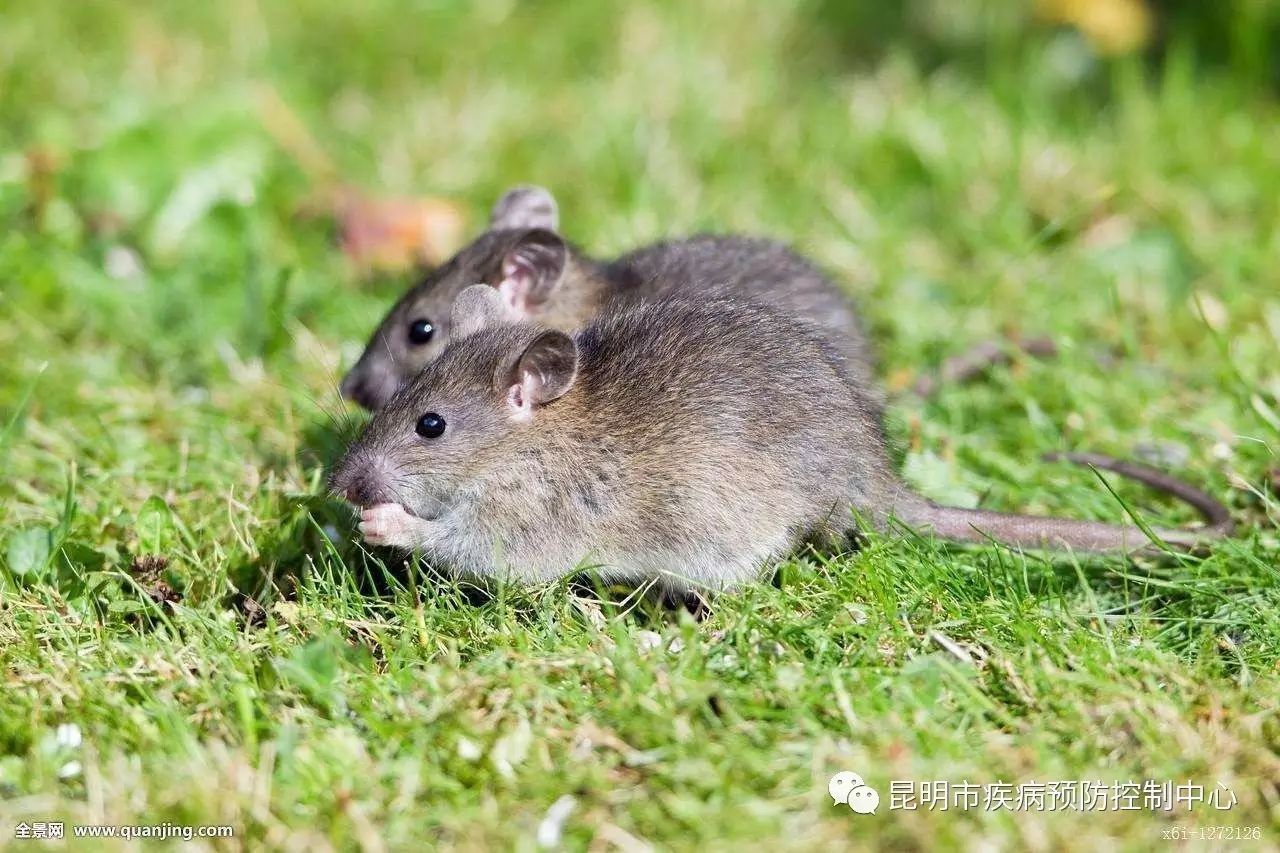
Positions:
(521, 396)
(517, 279)
(515, 396)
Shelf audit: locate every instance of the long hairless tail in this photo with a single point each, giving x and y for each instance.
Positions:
(1029, 531)
(1216, 516)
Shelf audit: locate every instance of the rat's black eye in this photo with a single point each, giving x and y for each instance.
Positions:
(420, 331)
(430, 425)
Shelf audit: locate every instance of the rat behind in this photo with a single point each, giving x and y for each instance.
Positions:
(543, 278)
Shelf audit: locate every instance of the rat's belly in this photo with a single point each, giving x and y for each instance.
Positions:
(718, 557)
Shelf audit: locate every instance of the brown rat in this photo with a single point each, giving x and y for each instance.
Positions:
(541, 277)
(686, 444)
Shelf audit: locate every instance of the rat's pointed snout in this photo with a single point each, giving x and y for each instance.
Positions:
(364, 390)
(372, 380)
(350, 384)
(339, 479)
(359, 482)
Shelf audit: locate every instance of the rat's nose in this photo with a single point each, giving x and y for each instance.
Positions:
(365, 489)
(361, 390)
(359, 481)
(349, 384)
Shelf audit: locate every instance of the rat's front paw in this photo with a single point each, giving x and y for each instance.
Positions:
(388, 524)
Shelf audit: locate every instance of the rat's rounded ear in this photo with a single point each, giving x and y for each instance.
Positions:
(531, 269)
(525, 206)
(476, 307)
(543, 372)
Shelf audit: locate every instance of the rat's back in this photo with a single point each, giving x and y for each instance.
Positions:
(757, 270)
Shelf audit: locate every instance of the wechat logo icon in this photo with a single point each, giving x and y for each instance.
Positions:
(848, 789)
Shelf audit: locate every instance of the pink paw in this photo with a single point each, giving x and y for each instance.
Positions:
(387, 524)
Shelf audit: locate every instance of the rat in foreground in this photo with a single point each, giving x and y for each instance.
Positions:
(685, 443)
(541, 277)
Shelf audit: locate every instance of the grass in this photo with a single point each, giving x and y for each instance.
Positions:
(174, 329)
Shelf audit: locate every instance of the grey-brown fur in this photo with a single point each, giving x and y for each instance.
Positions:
(695, 443)
(706, 266)
(764, 271)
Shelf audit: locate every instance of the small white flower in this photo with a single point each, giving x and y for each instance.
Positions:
(68, 735)
(122, 263)
(552, 826)
(468, 750)
(71, 768)
(647, 641)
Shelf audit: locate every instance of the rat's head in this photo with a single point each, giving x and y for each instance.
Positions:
(521, 257)
(464, 414)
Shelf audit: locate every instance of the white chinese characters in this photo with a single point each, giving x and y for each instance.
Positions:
(1075, 795)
